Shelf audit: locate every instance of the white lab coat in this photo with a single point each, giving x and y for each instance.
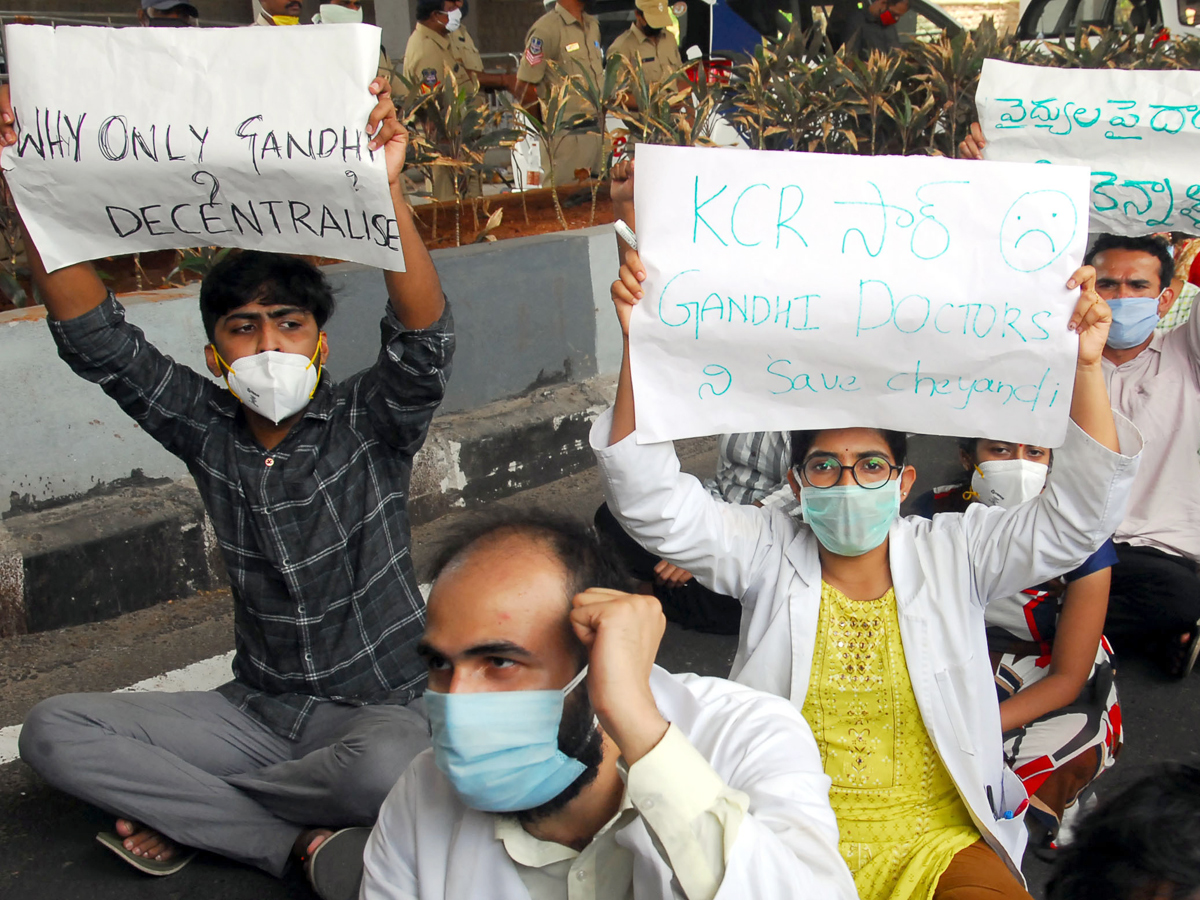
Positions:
(428, 845)
(944, 571)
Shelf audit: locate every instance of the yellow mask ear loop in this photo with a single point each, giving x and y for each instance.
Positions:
(314, 360)
(220, 361)
(970, 493)
(229, 369)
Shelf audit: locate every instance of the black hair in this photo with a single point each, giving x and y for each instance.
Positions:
(1143, 842)
(271, 279)
(1156, 247)
(802, 442)
(426, 8)
(588, 559)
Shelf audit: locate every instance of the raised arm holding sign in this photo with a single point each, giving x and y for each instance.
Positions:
(870, 623)
(305, 483)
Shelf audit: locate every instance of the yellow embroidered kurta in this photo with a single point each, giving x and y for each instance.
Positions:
(900, 818)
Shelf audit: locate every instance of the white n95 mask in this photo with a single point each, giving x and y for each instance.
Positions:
(1008, 482)
(274, 384)
(332, 14)
(453, 20)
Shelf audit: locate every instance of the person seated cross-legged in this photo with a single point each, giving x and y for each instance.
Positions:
(305, 482)
(872, 624)
(565, 763)
(1054, 671)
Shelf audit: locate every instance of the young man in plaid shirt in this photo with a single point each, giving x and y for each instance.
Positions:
(306, 484)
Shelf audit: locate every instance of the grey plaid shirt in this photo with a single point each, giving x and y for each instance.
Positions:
(315, 533)
(752, 468)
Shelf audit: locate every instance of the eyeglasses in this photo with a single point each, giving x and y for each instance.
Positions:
(870, 472)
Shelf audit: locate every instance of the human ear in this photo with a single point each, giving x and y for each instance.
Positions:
(907, 478)
(210, 359)
(324, 341)
(1166, 300)
(792, 483)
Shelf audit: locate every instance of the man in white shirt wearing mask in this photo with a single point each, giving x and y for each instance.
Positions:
(1154, 380)
(305, 482)
(566, 764)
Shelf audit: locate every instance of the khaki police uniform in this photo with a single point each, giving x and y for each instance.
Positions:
(463, 48)
(427, 58)
(574, 46)
(659, 55)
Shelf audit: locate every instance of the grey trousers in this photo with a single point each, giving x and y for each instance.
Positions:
(195, 768)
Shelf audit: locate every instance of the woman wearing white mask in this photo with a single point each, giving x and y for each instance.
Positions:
(872, 624)
(1054, 672)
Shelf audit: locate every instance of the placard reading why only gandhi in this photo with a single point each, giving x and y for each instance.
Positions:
(137, 139)
(796, 290)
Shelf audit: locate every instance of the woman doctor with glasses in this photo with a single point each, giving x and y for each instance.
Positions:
(872, 624)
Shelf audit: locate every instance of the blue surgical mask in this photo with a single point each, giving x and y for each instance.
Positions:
(500, 748)
(1133, 321)
(850, 520)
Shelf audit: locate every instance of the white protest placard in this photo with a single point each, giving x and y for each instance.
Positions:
(1137, 131)
(138, 139)
(795, 290)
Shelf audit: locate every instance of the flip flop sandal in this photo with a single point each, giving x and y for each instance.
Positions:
(1184, 657)
(335, 868)
(142, 864)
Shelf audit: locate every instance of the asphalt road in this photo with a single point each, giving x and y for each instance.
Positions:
(47, 846)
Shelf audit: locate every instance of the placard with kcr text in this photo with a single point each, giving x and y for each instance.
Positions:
(793, 290)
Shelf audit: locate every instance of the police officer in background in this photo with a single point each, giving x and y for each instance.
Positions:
(570, 38)
(650, 40)
(428, 59)
(463, 48)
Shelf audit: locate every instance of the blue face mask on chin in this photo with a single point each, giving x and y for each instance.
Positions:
(850, 520)
(500, 748)
(1133, 321)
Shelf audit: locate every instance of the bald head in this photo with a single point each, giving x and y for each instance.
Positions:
(498, 615)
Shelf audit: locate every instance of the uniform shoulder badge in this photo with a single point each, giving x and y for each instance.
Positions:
(429, 79)
(533, 53)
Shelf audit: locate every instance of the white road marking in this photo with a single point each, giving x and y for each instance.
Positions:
(199, 676)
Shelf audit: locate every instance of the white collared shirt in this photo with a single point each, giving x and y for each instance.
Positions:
(1159, 391)
(731, 804)
(688, 807)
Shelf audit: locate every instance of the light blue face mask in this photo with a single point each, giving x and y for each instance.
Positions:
(850, 520)
(500, 748)
(1133, 321)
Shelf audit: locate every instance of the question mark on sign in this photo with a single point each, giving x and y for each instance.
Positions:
(354, 179)
(216, 185)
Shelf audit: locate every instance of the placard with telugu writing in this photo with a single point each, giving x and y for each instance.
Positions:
(137, 139)
(795, 290)
(1137, 131)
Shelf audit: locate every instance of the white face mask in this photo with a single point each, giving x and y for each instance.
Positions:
(453, 20)
(1008, 482)
(273, 384)
(332, 14)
